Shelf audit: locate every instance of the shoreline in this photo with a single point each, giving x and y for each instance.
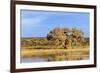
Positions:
(54, 52)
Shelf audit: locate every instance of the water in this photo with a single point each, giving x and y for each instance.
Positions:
(35, 59)
(57, 57)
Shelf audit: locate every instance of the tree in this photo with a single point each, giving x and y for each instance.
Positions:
(66, 37)
(57, 34)
(77, 36)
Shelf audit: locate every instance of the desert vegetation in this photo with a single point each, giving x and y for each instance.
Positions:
(60, 43)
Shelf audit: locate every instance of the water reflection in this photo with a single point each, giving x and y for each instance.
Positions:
(50, 58)
(36, 59)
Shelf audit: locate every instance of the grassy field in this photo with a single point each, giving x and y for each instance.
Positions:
(40, 49)
(73, 54)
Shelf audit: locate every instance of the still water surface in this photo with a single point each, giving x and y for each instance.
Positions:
(35, 59)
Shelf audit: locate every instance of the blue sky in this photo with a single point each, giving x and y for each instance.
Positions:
(39, 23)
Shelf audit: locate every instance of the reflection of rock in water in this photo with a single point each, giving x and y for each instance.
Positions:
(50, 59)
(57, 57)
(69, 56)
(65, 55)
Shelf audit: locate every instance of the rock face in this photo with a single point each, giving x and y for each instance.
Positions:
(66, 37)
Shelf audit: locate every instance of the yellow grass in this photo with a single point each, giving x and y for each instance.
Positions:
(39, 52)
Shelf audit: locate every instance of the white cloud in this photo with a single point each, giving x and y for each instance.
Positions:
(32, 22)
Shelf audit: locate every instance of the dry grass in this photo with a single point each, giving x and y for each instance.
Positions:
(39, 52)
(31, 47)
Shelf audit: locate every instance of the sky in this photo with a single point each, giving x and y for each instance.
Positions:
(39, 23)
